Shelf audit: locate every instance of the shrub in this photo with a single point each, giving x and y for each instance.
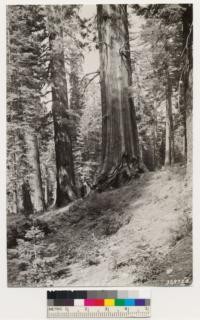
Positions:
(17, 227)
(36, 258)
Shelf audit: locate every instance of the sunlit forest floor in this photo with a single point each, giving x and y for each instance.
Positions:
(139, 234)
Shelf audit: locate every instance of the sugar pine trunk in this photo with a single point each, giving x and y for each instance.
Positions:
(66, 190)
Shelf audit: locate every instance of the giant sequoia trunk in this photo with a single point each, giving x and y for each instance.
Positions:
(120, 146)
(169, 128)
(34, 179)
(66, 191)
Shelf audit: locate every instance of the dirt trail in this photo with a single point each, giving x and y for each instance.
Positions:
(138, 234)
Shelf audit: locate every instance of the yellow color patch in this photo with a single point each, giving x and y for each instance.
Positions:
(109, 302)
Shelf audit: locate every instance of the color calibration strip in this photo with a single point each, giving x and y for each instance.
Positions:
(98, 304)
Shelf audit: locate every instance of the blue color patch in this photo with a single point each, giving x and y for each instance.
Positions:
(129, 302)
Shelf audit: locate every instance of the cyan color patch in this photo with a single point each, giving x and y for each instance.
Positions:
(129, 302)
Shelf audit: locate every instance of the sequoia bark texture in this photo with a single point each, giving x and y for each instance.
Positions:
(120, 146)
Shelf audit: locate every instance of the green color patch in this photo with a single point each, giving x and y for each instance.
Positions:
(119, 302)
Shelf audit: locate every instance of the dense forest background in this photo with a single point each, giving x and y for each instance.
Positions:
(97, 96)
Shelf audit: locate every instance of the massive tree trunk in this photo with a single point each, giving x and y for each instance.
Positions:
(120, 146)
(34, 176)
(66, 190)
(169, 138)
(187, 79)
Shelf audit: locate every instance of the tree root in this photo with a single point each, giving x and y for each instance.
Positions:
(118, 176)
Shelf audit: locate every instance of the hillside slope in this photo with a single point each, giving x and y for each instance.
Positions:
(140, 233)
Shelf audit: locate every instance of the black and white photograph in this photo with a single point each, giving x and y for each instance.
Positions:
(99, 145)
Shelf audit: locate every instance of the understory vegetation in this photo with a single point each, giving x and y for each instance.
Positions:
(104, 239)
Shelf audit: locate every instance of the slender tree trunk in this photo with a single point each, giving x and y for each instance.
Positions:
(14, 203)
(66, 190)
(34, 177)
(27, 203)
(120, 146)
(155, 133)
(17, 194)
(187, 78)
(181, 107)
(46, 197)
(169, 138)
(189, 123)
(46, 187)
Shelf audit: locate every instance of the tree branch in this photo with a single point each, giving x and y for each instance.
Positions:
(187, 40)
(96, 74)
(44, 95)
(88, 74)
